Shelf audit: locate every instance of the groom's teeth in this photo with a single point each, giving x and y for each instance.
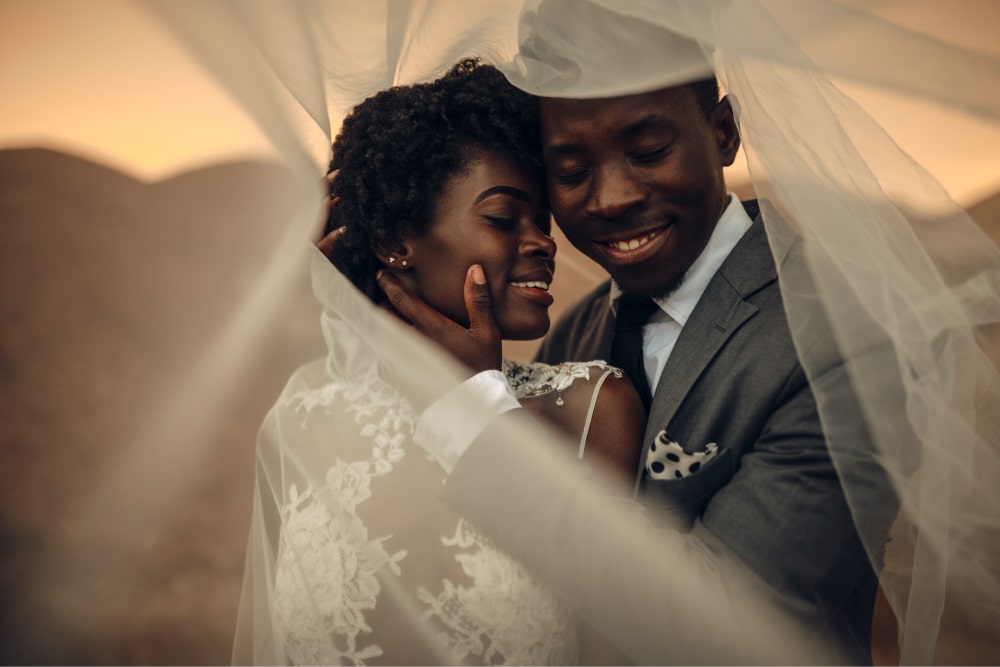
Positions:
(632, 244)
(533, 283)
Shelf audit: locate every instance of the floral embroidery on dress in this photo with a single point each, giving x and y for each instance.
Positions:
(504, 616)
(326, 544)
(364, 397)
(538, 379)
(327, 565)
(332, 552)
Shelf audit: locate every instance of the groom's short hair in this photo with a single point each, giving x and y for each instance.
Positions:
(706, 93)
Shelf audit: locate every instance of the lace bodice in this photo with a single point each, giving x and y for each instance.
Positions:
(537, 379)
(343, 536)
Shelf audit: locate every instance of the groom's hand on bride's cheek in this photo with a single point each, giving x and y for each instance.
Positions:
(479, 346)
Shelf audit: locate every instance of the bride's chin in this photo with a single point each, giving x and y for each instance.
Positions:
(525, 330)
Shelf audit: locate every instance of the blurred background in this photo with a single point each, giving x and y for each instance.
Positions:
(122, 527)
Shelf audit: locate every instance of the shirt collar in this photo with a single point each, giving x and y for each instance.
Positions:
(679, 304)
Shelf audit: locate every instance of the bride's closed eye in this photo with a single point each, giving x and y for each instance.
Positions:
(501, 222)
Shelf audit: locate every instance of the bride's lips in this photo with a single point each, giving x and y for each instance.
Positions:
(533, 288)
(635, 248)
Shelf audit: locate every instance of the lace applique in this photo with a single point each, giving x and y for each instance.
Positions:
(366, 396)
(504, 616)
(331, 551)
(326, 568)
(327, 563)
(538, 379)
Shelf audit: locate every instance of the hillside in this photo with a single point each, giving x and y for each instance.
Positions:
(110, 289)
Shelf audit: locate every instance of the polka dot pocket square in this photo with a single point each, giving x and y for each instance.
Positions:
(668, 460)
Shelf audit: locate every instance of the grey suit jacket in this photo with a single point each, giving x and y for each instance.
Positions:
(771, 496)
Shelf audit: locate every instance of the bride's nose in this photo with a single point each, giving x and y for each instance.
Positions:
(536, 242)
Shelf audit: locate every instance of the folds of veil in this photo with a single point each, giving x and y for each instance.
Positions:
(906, 282)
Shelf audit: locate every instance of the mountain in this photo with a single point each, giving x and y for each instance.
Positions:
(111, 289)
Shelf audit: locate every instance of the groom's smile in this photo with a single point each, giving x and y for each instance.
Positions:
(635, 182)
(634, 248)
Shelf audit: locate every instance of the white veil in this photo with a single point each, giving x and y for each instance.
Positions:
(892, 264)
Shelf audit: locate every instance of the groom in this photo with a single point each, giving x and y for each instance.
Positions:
(693, 311)
(636, 183)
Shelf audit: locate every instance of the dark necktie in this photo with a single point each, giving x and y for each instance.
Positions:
(626, 348)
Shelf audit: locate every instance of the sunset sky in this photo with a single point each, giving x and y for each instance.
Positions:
(102, 78)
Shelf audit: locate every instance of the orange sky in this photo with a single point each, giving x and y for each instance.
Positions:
(102, 78)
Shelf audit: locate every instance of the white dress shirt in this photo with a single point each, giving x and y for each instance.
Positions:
(447, 439)
(660, 333)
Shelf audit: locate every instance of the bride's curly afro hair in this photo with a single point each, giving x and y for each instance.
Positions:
(396, 151)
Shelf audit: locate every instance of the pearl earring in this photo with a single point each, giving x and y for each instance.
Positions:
(403, 263)
(392, 259)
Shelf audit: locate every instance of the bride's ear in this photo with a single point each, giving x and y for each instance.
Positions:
(400, 257)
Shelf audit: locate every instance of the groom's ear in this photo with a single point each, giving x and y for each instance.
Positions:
(398, 257)
(725, 130)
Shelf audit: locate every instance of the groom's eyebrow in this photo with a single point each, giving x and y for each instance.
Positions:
(558, 150)
(649, 121)
(504, 190)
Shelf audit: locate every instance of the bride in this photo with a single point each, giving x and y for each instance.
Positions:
(430, 179)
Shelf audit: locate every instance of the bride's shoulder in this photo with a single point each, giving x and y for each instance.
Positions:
(589, 400)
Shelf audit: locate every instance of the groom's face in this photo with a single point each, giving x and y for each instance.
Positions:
(635, 182)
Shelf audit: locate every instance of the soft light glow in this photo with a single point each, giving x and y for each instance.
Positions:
(103, 79)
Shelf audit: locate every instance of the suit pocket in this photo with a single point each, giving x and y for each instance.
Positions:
(683, 500)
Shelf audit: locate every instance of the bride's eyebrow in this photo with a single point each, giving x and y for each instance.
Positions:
(504, 190)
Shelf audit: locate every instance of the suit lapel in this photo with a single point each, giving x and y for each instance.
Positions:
(721, 310)
(701, 339)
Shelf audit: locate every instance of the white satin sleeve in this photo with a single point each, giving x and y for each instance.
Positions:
(479, 400)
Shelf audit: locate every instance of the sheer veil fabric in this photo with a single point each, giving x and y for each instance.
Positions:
(893, 265)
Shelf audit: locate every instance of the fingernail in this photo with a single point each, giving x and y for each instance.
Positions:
(478, 276)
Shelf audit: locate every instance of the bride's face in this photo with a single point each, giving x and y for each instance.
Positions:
(494, 214)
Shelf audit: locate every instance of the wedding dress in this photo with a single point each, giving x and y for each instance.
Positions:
(362, 544)
(896, 264)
